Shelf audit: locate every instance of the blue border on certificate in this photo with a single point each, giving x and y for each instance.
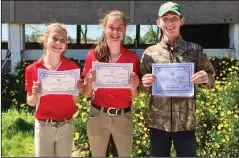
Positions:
(188, 90)
(42, 73)
(98, 65)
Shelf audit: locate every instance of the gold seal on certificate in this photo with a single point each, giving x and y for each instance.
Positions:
(112, 75)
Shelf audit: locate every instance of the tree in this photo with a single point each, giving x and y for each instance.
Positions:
(152, 36)
(84, 33)
(128, 40)
(70, 40)
(34, 36)
(27, 38)
(149, 38)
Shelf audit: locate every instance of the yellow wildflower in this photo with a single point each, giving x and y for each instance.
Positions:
(77, 134)
(222, 114)
(219, 127)
(142, 104)
(217, 145)
(142, 94)
(223, 140)
(79, 106)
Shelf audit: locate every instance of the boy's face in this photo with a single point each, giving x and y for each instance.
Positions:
(170, 23)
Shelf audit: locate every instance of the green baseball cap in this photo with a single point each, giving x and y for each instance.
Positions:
(169, 6)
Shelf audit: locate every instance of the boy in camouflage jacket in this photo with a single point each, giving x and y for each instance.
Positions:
(172, 119)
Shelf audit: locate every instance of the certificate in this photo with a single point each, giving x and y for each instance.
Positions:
(112, 75)
(58, 82)
(173, 79)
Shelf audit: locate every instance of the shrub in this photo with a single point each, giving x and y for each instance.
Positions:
(217, 112)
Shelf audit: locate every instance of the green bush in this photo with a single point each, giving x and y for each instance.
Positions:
(217, 112)
(13, 89)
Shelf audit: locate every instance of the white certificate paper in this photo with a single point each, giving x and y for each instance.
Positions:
(58, 82)
(173, 79)
(112, 75)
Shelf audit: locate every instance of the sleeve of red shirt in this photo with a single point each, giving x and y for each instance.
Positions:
(28, 80)
(88, 64)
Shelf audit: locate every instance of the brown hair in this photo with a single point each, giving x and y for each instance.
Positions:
(102, 49)
(51, 27)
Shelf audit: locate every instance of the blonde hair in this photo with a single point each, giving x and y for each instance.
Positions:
(102, 49)
(46, 33)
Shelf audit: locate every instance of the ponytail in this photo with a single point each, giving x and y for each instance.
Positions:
(102, 49)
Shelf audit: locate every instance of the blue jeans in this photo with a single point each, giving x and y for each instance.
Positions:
(161, 141)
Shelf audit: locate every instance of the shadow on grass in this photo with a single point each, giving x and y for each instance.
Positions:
(19, 126)
(23, 126)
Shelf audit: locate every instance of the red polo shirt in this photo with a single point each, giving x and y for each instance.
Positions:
(113, 97)
(51, 106)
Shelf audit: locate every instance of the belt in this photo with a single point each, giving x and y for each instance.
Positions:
(112, 111)
(52, 120)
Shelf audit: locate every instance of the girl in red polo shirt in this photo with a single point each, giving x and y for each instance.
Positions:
(110, 112)
(54, 124)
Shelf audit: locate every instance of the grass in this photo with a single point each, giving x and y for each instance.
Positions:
(17, 133)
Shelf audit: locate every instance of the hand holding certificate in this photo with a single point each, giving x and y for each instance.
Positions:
(173, 79)
(59, 82)
(112, 75)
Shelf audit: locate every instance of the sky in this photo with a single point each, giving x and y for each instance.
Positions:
(93, 31)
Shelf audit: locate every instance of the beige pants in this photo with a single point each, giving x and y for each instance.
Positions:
(54, 139)
(101, 125)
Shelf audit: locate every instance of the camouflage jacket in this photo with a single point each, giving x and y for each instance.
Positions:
(174, 114)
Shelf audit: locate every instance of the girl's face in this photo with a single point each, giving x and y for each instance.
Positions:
(170, 24)
(114, 29)
(56, 42)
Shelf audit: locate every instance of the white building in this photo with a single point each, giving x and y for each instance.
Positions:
(212, 24)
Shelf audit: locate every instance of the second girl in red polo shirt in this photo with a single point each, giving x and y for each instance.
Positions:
(105, 121)
(54, 130)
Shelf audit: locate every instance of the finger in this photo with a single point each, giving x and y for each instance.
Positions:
(147, 82)
(80, 81)
(92, 71)
(37, 83)
(200, 80)
(199, 73)
(199, 76)
(148, 79)
(147, 85)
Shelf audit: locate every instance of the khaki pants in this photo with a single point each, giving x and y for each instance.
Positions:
(101, 125)
(54, 139)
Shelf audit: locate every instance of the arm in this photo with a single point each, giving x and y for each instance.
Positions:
(33, 88)
(80, 87)
(205, 72)
(134, 92)
(146, 76)
(88, 86)
(88, 76)
(134, 81)
(32, 99)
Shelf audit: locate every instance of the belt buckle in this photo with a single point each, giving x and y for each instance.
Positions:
(108, 111)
